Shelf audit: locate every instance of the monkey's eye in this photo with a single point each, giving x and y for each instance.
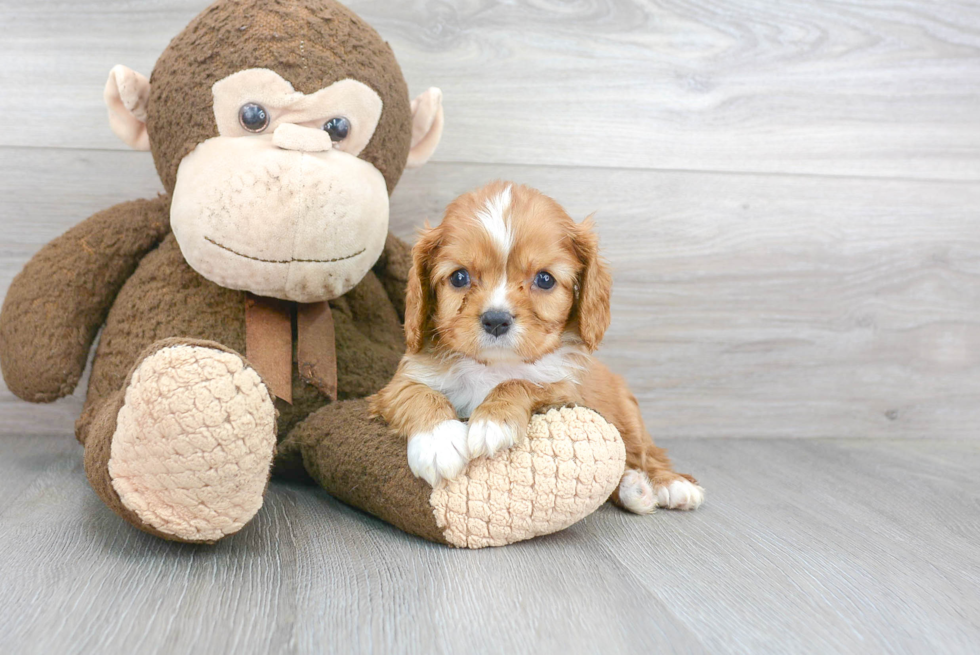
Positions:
(338, 128)
(460, 278)
(544, 280)
(253, 117)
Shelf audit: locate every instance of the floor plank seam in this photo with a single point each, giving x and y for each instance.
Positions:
(639, 169)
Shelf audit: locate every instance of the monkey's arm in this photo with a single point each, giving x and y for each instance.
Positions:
(56, 305)
(392, 269)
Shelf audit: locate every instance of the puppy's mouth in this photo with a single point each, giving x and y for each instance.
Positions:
(501, 347)
(284, 261)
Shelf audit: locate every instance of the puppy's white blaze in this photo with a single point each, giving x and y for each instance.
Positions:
(466, 382)
(493, 216)
(442, 453)
(498, 298)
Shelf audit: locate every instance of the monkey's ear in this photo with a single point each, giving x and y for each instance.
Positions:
(126, 95)
(427, 122)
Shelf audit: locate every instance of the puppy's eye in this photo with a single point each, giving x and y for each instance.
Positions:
(544, 280)
(460, 278)
(253, 117)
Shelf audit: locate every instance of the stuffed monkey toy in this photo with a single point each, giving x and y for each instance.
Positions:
(248, 311)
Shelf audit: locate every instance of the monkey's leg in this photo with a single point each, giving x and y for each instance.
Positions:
(183, 451)
(566, 468)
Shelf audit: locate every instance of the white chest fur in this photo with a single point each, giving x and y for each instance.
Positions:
(466, 382)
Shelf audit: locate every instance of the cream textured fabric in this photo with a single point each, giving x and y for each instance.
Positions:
(427, 122)
(126, 94)
(303, 226)
(194, 442)
(570, 463)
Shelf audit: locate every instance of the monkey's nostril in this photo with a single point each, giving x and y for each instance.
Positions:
(496, 323)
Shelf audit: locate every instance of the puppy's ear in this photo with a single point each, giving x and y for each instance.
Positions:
(595, 286)
(419, 296)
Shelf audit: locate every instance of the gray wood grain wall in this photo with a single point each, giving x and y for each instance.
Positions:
(789, 193)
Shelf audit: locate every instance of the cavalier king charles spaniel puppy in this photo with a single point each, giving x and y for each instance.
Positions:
(507, 299)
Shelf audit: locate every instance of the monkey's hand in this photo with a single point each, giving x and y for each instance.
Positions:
(56, 305)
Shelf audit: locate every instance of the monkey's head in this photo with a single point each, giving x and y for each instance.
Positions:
(279, 130)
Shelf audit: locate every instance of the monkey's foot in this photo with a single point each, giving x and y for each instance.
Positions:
(193, 443)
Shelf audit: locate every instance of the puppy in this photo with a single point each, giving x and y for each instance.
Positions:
(507, 299)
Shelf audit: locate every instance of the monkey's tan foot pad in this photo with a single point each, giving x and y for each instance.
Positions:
(194, 443)
(568, 466)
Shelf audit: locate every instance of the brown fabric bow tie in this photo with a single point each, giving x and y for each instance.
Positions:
(269, 344)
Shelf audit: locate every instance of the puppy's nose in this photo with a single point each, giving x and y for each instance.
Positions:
(496, 323)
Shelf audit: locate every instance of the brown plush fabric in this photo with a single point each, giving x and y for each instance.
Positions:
(392, 269)
(44, 344)
(359, 461)
(166, 298)
(289, 460)
(311, 44)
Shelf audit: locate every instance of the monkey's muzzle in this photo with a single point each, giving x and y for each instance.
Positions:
(285, 216)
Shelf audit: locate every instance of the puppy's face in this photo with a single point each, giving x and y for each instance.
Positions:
(506, 276)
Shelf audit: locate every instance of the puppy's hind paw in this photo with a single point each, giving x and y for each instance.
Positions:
(441, 453)
(680, 494)
(636, 492)
(641, 496)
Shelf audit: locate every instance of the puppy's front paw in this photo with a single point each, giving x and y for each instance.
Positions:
(487, 437)
(441, 453)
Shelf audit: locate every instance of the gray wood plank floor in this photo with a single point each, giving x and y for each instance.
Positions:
(805, 546)
(789, 195)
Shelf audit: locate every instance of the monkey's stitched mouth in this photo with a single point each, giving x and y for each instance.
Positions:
(284, 261)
